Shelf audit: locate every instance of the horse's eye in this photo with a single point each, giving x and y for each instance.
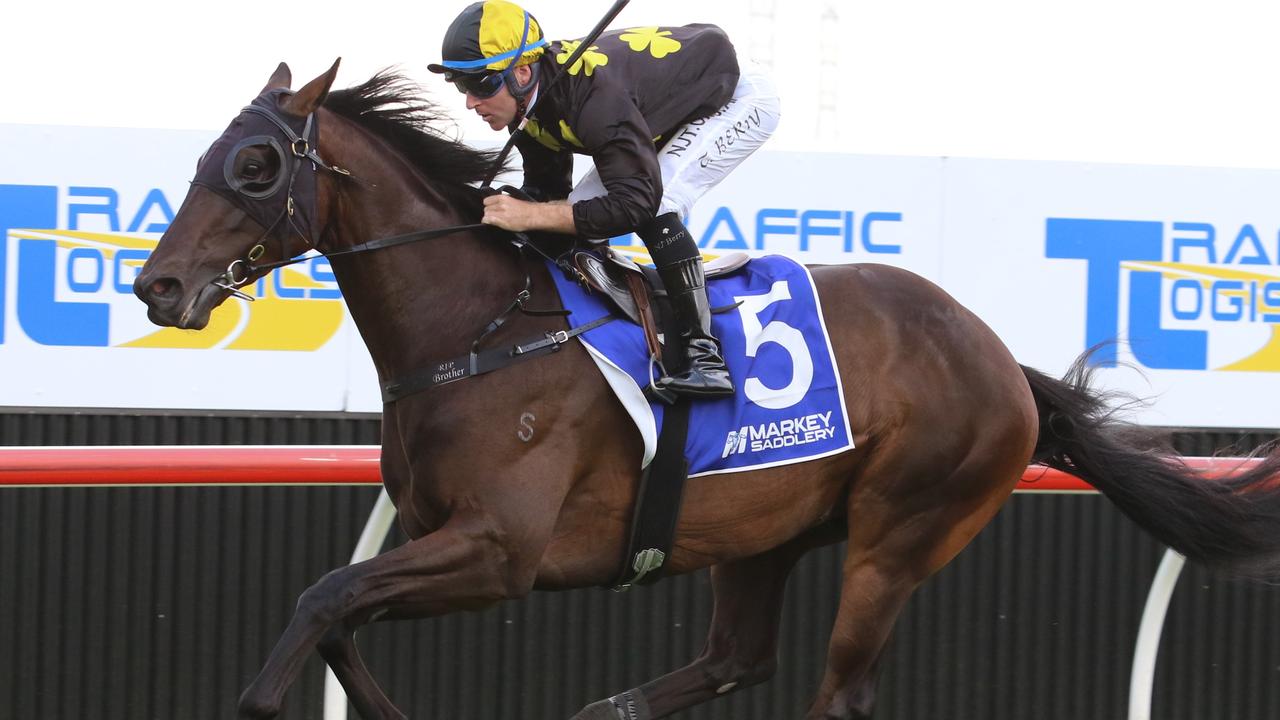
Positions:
(255, 168)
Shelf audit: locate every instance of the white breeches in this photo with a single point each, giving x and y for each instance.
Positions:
(700, 154)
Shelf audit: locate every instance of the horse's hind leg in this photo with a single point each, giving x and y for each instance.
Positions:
(862, 697)
(895, 543)
(871, 599)
(741, 647)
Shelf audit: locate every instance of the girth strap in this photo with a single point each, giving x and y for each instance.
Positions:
(479, 363)
(658, 500)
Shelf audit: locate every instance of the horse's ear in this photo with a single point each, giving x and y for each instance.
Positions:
(281, 78)
(312, 95)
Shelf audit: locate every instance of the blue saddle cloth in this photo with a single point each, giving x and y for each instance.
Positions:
(789, 405)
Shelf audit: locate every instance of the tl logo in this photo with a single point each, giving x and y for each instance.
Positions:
(1176, 297)
(71, 287)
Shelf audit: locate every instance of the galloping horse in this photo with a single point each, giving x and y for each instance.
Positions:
(945, 419)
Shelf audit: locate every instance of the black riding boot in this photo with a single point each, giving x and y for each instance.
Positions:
(679, 264)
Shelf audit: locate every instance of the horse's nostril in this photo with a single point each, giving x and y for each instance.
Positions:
(163, 286)
(162, 290)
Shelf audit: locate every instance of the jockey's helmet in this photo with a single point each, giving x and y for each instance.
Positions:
(485, 42)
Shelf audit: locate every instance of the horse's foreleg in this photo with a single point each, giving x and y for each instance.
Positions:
(338, 645)
(338, 648)
(741, 648)
(461, 566)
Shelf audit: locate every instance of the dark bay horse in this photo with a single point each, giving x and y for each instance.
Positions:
(946, 420)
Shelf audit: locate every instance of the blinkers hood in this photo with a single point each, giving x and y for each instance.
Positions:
(281, 147)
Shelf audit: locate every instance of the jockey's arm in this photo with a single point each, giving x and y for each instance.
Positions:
(548, 175)
(516, 215)
(616, 136)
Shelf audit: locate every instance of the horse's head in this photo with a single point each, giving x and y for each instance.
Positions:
(254, 196)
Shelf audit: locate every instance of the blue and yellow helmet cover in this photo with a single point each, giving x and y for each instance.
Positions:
(492, 35)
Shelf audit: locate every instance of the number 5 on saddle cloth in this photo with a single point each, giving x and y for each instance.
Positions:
(790, 405)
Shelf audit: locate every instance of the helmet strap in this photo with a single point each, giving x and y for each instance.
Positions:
(520, 91)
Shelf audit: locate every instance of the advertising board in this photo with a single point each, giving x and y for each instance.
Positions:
(1179, 265)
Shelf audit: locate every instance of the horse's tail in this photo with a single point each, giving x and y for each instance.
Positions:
(1231, 524)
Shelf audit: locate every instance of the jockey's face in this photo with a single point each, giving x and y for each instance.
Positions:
(499, 110)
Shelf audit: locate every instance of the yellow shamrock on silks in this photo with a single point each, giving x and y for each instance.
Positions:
(658, 41)
(537, 132)
(590, 59)
(567, 133)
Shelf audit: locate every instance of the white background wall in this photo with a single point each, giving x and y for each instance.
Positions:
(1141, 81)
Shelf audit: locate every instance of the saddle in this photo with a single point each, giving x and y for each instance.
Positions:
(636, 290)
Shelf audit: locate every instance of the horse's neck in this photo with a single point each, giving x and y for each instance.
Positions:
(426, 301)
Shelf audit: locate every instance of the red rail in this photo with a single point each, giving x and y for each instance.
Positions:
(307, 465)
(191, 465)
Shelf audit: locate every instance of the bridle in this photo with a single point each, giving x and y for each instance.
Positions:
(299, 150)
(259, 201)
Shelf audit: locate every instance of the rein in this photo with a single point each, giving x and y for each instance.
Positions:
(379, 244)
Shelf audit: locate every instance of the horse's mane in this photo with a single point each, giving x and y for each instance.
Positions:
(391, 107)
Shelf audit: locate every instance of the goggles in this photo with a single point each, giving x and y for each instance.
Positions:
(481, 86)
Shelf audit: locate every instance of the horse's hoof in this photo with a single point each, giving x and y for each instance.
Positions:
(627, 706)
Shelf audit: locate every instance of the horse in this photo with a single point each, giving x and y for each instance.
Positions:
(523, 479)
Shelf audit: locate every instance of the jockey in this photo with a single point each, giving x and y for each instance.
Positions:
(664, 112)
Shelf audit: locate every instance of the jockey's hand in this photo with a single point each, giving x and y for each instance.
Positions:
(509, 213)
(515, 215)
